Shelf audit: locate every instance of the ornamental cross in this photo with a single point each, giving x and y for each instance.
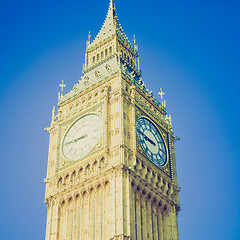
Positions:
(89, 39)
(62, 85)
(161, 93)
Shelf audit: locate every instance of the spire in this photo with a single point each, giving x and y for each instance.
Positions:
(110, 27)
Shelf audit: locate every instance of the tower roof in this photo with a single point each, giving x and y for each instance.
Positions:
(110, 27)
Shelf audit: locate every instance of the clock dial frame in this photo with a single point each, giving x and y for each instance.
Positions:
(152, 141)
(82, 136)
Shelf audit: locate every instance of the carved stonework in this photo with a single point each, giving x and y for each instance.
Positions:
(113, 191)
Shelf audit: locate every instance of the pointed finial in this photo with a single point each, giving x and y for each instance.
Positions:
(112, 3)
(150, 94)
(62, 85)
(89, 36)
(59, 97)
(53, 114)
(134, 41)
(53, 111)
(169, 120)
(143, 86)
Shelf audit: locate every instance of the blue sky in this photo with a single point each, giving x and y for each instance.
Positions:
(189, 48)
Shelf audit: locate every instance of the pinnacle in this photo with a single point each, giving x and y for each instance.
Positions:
(110, 27)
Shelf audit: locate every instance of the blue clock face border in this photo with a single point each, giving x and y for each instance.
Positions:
(151, 141)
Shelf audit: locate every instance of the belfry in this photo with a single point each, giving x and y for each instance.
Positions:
(111, 166)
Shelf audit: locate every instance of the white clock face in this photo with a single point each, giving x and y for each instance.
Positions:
(82, 137)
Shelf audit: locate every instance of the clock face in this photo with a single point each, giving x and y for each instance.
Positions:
(82, 137)
(151, 141)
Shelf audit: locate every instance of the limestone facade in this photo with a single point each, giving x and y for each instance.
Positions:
(115, 191)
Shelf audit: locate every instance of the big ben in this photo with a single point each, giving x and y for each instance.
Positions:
(111, 167)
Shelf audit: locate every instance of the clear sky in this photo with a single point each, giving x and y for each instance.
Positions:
(189, 48)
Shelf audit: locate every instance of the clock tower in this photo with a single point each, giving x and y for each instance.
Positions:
(111, 167)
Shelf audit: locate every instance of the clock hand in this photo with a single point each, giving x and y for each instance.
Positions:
(82, 137)
(147, 138)
(77, 139)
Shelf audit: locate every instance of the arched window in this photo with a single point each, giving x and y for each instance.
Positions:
(60, 182)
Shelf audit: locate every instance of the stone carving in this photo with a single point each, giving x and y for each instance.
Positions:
(108, 67)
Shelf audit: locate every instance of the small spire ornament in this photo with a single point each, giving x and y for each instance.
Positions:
(169, 120)
(62, 85)
(134, 41)
(164, 103)
(60, 95)
(89, 39)
(53, 114)
(161, 93)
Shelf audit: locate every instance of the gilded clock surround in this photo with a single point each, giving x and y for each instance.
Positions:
(164, 137)
(64, 161)
(114, 192)
(167, 167)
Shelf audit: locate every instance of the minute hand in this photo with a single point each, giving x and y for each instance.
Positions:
(147, 138)
(77, 139)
